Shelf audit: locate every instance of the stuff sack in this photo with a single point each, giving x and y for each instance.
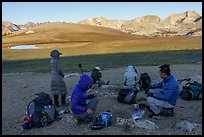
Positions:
(191, 90)
(104, 119)
(144, 81)
(126, 95)
(40, 111)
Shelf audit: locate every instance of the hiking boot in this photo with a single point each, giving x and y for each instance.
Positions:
(144, 106)
(96, 120)
(168, 112)
(63, 98)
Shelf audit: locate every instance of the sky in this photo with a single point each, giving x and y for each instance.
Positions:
(37, 12)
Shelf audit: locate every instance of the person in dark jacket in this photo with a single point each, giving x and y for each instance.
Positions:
(167, 97)
(96, 75)
(79, 106)
(58, 86)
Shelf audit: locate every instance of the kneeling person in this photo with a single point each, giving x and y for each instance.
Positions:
(167, 97)
(81, 109)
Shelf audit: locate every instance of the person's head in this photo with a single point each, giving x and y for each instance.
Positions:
(55, 53)
(131, 68)
(96, 74)
(165, 71)
(85, 82)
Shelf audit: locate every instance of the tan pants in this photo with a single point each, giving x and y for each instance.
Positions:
(156, 104)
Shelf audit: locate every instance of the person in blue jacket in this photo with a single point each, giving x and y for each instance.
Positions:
(79, 106)
(165, 98)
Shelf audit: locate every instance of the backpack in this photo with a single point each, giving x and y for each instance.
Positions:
(102, 120)
(144, 81)
(40, 111)
(127, 95)
(191, 90)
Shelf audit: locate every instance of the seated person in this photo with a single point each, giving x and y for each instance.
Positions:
(167, 97)
(79, 107)
(130, 77)
(96, 75)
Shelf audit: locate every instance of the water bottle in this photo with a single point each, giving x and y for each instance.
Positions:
(138, 114)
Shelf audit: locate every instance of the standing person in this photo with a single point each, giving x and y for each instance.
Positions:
(80, 108)
(58, 85)
(167, 97)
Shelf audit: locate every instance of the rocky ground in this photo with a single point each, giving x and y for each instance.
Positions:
(19, 89)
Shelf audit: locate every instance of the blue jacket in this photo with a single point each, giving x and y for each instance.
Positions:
(170, 90)
(79, 96)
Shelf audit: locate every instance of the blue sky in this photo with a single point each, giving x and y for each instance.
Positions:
(22, 12)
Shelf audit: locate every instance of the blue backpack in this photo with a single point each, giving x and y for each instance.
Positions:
(103, 120)
(191, 90)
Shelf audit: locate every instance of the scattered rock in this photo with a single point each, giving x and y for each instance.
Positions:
(186, 126)
(146, 124)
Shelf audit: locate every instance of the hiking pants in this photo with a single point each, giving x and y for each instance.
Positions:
(155, 104)
(56, 101)
(92, 104)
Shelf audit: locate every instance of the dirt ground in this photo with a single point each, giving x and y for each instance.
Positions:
(19, 89)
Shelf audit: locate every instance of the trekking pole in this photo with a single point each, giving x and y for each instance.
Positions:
(80, 68)
(74, 74)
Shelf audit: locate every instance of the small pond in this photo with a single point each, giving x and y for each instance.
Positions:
(24, 47)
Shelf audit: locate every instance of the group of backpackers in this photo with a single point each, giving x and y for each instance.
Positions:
(166, 98)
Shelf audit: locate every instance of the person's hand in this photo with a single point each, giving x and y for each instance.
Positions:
(95, 93)
(147, 90)
(150, 94)
(89, 111)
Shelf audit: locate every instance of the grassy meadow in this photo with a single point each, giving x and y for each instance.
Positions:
(115, 60)
(91, 45)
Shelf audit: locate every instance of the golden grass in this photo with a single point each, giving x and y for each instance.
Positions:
(77, 39)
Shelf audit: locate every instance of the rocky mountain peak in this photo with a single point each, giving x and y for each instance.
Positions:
(147, 19)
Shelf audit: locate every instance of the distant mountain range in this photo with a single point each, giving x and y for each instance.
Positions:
(186, 23)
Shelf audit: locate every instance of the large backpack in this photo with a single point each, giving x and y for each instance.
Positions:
(144, 81)
(127, 95)
(191, 90)
(40, 111)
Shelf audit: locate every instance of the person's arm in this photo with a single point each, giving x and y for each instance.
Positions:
(81, 107)
(166, 94)
(90, 96)
(59, 69)
(125, 79)
(156, 85)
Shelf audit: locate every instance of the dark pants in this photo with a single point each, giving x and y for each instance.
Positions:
(56, 101)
